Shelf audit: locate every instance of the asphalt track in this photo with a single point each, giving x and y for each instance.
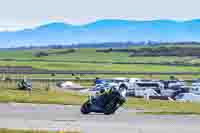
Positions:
(57, 117)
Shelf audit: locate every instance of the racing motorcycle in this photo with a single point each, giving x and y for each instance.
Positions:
(106, 103)
(25, 85)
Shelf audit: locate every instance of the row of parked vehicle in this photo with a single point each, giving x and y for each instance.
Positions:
(174, 89)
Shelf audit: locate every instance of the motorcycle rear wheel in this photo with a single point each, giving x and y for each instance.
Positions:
(110, 108)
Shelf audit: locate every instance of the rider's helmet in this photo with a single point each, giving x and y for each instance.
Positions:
(102, 91)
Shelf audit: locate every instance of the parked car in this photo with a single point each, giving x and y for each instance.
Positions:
(195, 88)
(119, 83)
(173, 88)
(187, 97)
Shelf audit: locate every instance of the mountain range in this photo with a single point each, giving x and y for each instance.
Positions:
(104, 31)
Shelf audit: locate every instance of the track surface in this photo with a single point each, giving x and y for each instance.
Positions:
(56, 117)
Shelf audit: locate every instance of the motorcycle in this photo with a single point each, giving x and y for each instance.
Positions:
(106, 103)
(25, 85)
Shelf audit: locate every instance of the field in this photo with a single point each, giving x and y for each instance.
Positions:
(90, 60)
(90, 55)
(102, 67)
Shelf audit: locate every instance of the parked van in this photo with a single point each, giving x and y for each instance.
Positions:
(139, 88)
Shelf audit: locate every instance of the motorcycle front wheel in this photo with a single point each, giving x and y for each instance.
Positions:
(85, 109)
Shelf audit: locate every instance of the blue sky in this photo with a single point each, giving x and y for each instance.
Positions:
(17, 14)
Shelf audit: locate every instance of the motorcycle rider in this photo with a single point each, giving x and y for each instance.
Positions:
(103, 95)
(107, 100)
(104, 91)
(22, 84)
(25, 85)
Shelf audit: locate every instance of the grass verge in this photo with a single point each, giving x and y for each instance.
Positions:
(41, 97)
(29, 131)
(161, 107)
(71, 98)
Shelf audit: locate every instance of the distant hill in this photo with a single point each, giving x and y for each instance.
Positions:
(104, 31)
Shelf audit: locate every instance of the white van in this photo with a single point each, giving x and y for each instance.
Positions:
(140, 88)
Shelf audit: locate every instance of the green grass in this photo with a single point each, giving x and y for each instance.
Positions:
(41, 96)
(72, 98)
(164, 107)
(102, 67)
(163, 77)
(91, 55)
(31, 131)
(72, 61)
